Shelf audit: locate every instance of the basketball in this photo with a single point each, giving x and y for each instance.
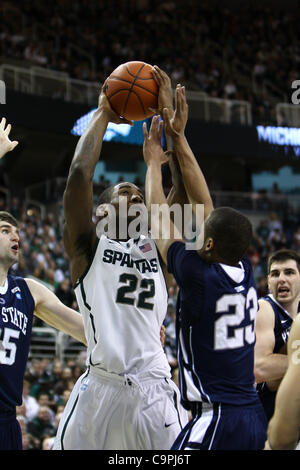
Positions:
(132, 90)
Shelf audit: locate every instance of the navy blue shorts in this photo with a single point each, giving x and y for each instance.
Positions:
(224, 427)
(10, 433)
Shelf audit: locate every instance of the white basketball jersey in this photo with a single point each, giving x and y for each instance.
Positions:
(123, 302)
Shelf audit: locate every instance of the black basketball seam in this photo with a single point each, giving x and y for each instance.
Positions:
(130, 73)
(137, 85)
(130, 90)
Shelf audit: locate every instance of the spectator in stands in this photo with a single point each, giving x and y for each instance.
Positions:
(32, 406)
(65, 293)
(289, 224)
(42, 425)
(45, 400)
(263, 231)
(277, 239)
(29, 442)
(296, 239)
(78, 42)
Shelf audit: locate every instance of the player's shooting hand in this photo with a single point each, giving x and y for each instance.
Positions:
(175, 124)
(6, 145)
(165, 95)
(152, 149)
(104, 106)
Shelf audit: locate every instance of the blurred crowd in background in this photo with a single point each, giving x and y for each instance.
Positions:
(207, 46)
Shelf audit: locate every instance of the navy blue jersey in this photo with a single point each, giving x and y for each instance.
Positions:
(215, 329)
(16, 314)
(282, 325)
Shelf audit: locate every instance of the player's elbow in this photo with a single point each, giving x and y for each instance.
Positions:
(79, 172)
(259, 371)
(278, 439)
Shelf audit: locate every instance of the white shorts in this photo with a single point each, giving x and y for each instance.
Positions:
(110, 412)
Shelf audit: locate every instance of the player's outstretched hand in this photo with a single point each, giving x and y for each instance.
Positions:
(104, 105)
(165, 95)
(175, 124)
(6, 145)
(152, 149)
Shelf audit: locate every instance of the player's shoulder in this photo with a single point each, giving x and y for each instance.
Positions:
(266, 303)
(16, 280)
(246, 262)
(266, 313)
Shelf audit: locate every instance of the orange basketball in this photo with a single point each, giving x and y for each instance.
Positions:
(132, 90)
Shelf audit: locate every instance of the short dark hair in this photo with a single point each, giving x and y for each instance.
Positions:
(105, 196)
(7, 217)
(231, 231)
(283, 255)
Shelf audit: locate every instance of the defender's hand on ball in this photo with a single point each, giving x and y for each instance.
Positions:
(152, 148)
(165, 95)
(103, 104)
(6, 145)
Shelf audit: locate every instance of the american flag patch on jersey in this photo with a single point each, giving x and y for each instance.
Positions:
(146, 247)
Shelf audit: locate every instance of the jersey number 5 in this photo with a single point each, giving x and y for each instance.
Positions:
(7, 346)
(239, 335)
(131, 283)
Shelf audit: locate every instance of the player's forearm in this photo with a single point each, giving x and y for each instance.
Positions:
(89, 146)
(282, 433)
(177, 195)
(193, 178)
(270, 367)
(63, 319)
(153, 185)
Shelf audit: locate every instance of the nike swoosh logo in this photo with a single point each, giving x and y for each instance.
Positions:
(168, 425)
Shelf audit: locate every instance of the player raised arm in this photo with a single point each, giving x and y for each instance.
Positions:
(193, 178)
(268, 366)
(6, 145)
(79, 230)
(51, 310)
(283, 430)
(177, 194)
(154, 157)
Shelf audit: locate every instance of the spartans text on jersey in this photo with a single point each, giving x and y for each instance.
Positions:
(124, 259)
